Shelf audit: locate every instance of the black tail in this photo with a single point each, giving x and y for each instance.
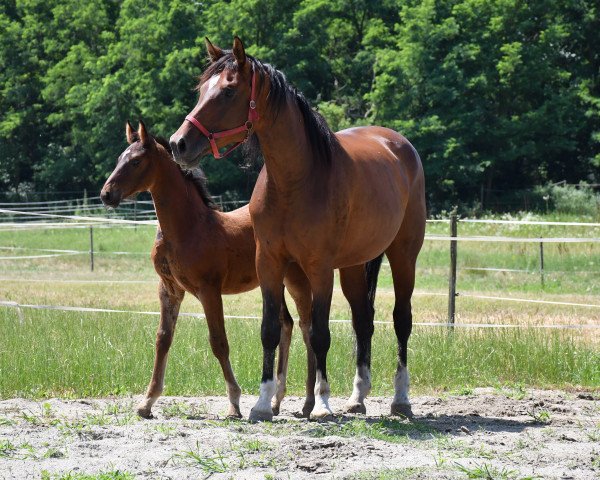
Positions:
(372, 272)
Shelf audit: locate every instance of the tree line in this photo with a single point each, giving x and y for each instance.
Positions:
(494, 94)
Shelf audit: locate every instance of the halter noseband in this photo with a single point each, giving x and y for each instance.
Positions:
(246, 127)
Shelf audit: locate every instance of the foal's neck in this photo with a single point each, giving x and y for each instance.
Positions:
(178, 205)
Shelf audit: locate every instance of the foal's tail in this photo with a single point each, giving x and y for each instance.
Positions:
(372, 272)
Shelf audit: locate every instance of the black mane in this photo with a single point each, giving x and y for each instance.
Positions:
(196, 176)
(318, 133)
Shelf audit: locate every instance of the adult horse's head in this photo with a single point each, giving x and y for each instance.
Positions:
(226, 112)
(135, 168)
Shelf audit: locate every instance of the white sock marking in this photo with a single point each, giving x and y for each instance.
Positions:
(362, 385)
(321, 394)
(267, 390)
(401, 386)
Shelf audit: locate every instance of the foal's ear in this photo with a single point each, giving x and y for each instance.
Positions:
(145, 138)
(239, 52)
(130, 133)
(214, 53)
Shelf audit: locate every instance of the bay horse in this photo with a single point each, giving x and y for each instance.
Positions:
(205, 252)
(322, 201)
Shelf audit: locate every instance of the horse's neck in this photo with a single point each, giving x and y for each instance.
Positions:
(177, 202)
(287, 151)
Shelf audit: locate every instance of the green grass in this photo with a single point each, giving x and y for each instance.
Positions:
(71, 354)
(77, 354)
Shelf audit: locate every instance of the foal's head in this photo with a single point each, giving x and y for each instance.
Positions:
(137, 167)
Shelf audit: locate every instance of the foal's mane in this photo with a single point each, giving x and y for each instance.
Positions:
(196, 176)
(319, 135)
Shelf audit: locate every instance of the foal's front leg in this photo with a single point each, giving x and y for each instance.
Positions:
(213, 309)
(170, 300)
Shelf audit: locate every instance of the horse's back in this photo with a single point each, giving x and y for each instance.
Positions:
(375, 175)
(381, 145)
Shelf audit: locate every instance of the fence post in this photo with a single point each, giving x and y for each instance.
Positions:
(135, 212)
(91, 248)
(452, 276)
(542, 261)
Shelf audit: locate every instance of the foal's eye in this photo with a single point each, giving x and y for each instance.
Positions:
(229, 92)
(135, 162)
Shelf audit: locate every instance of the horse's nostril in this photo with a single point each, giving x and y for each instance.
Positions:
(105, 195)
(181, 145)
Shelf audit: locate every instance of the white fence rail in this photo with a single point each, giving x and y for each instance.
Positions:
(40, 217)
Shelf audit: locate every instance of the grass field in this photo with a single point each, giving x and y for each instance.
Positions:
(46, 353)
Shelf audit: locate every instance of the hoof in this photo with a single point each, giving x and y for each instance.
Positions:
(145, 412)
(321, 414)
(259, 416)
(275, 409)
(307, 408)
(355, 408)
(401, 409)
(234, 412)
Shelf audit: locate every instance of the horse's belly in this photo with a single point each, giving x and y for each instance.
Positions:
(363, 244)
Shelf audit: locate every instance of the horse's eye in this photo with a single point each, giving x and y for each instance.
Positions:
(135, 162)
(229, 92)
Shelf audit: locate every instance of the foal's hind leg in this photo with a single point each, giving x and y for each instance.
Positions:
(402, 258)
(287, 324)
(354, 286)
(213, 309)
(170, 300)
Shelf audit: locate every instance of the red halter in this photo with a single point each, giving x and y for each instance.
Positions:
(247, 127)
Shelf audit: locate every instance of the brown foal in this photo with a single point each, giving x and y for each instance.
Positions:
(205, 252)
(323, 201)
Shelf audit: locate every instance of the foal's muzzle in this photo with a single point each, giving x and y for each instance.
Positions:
(111, 197)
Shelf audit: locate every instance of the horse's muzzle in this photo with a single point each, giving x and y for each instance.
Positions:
(188, 147)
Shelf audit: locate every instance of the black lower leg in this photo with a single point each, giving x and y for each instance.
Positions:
(363, 329)
(403, 328)
(320, 338)
(270, 333)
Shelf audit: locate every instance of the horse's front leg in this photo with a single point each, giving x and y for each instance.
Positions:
(170, 298)
(287, 325)
(321, 282)
(270, 272)
(213, 309)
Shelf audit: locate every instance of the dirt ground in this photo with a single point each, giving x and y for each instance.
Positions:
(486, 433)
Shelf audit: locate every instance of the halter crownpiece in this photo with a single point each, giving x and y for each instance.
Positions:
(246, 127)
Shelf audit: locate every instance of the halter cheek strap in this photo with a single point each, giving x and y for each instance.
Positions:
(247, 127)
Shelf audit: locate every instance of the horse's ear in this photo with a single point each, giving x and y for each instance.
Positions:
(145, 138)
(130, 133)
(214, 53)
(238, 51)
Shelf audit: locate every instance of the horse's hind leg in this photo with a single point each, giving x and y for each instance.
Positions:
(354, 287)
(402, 257)
(170, 299)
(213, 309)
(287, 325)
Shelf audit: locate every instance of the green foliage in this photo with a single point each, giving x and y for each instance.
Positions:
(495, 94)
(577, 200)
